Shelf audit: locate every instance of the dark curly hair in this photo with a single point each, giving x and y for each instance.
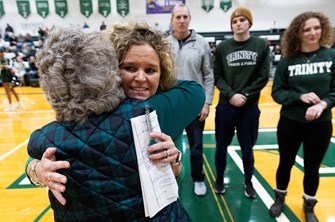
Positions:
(79, 74)
(291, 40)
(125, 35)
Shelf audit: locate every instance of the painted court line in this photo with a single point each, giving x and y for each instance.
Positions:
(13, 150)
(265, 196)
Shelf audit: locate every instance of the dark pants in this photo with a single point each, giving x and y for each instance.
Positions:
(245, 120)
(194, 134)
(315, 138)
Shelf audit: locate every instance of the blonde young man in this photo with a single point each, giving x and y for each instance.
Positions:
(193, 62)
(241, 71)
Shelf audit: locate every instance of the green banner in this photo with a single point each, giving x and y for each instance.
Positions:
(86, 7)
(42, 7)
(23, 7)
(207, 5)
(61, 7)
(2, 10)
(122, 7)
(104, 7)
(225, 5)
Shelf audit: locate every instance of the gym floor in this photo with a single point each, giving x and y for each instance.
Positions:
(22, 202)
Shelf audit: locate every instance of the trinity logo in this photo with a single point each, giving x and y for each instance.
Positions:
(242, 58)
(310, 68)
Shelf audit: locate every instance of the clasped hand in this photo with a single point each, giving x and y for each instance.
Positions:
(238, 100)
(315, 111)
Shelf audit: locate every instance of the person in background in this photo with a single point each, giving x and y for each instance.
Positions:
(103, 26)
(8, 31)
(148, 80)
(2, 44)
(42, 34)
(241, 71)
(6, 78)
(193, 62)
(12, 43)
(276, 54)
(19, 68)
(86, 26)
(28, 40)
(304, 84)
(20, 40)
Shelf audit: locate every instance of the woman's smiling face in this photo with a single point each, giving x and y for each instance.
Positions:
(140, 72)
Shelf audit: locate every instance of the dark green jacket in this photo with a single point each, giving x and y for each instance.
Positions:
(103, 180)
(241, 67)
(295, 76)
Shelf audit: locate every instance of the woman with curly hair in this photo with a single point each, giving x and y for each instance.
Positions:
(95, 92)
(304, 84)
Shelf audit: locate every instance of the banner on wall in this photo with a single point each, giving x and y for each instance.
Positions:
(207, 5)
(122, 7)
(2, 10)
(23, 7)
(42, 7)
(104, 7)
(61, 7)
(161, 6)
(86, 7)
(225, 5)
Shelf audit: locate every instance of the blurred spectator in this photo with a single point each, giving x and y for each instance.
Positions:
(2, 44)
(86, 26)
(32, 66)
(274, 27)
(20, 41)
(29, 40)
(276, 54)
(12, 42)
(212, 47)
(103, 26)
(42, 34)
(20, 68)
(6, 78)
(9, 29)
(32, 74)
(28, 50)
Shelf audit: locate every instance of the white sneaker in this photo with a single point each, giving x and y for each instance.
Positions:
(18, 105)
(200, 188)
(9, 108)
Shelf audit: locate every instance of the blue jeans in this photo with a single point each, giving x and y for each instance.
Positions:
(194, 134)
(246, 120)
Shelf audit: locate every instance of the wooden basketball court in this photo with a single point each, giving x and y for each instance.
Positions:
(19, 201)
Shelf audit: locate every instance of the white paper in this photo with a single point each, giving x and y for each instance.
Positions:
(159, 186)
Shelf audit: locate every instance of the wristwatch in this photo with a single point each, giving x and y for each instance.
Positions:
(178, 160)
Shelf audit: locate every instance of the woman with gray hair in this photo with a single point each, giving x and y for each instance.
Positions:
(79, 75)
(97, 174)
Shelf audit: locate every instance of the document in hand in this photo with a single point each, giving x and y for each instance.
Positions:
(159, 186)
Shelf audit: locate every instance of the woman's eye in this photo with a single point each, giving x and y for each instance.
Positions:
(129, 68)
(150, 71)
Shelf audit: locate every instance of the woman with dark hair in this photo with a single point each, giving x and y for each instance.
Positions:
(304, 84)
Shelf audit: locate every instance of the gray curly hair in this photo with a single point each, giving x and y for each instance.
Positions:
(79, 74)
